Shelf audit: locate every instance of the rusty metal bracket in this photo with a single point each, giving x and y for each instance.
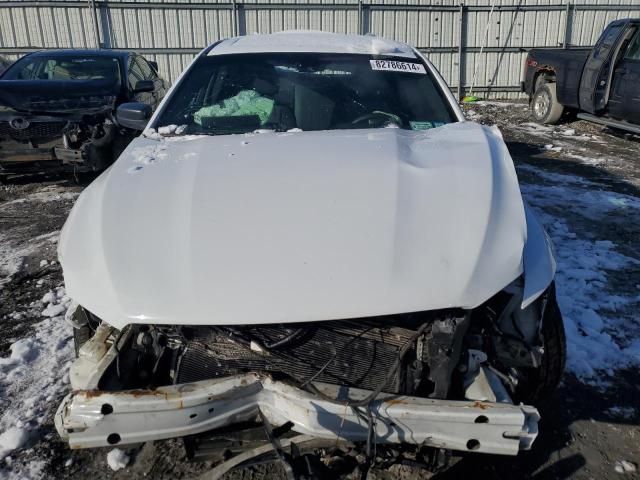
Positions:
(101, 418)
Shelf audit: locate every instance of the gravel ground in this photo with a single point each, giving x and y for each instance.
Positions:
(587, 430)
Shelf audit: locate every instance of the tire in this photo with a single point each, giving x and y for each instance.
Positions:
(537, 384)
(544, 104)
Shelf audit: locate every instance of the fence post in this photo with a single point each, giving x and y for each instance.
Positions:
(363, 17)
(234, 18)
(94, 16)
(461, 38)
(568, 24)
(241, 20)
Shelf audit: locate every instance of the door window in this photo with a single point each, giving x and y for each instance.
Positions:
(603, 47)
(146, 69)
(633, 52)
(135, 73)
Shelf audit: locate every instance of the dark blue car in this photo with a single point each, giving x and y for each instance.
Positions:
(57, 108)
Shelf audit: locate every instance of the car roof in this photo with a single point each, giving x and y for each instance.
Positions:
(73, 52)
(312, 42)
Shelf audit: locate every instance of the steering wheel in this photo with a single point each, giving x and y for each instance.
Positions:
(377, 114)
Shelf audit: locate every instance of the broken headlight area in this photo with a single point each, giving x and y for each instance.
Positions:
(81, 141)
(450, 379)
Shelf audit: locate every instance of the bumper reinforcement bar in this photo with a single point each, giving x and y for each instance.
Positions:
(95, 418)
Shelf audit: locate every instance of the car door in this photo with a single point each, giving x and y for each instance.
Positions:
(594, 82)
(624, 100)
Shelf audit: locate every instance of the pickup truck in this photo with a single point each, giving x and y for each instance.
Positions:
(601, 84)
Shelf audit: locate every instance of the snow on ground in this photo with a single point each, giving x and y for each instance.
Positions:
(601, 333)
(589, 160)
(34, 367)
(12, 256)
(117, 459)
(33, 378)
(47, 194)
(623, 466)
(501, 104)
(577, 146)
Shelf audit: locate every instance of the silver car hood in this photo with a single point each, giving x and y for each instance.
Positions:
(292, 227)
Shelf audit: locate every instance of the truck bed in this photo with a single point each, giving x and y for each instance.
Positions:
(565, 64)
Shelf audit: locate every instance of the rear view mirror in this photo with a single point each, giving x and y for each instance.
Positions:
(133, 115)
(144, 86)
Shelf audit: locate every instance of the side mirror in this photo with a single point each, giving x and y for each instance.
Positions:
(133, 115)
(154, 65)
(144, 86)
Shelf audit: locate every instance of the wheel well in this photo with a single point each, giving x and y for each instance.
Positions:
(543, 76)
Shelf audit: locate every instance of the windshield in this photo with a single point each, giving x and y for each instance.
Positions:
(65, 67)
(247, 92)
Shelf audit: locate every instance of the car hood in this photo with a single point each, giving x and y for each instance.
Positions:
(292, 227)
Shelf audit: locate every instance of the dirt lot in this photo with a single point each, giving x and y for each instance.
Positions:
(583, 181)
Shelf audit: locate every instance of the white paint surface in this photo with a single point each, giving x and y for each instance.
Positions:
(297, 227)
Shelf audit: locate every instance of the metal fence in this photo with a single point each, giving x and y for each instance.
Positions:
(451, 32)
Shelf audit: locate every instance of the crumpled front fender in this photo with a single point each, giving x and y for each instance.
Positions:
(538, 259)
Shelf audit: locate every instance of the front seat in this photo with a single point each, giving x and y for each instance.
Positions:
(313, 110)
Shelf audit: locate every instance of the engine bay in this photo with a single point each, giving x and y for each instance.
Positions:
(433, 354)
(409, 354)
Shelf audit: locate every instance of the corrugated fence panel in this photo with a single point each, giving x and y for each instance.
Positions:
(173, 31)
(588, 24)
(447, 65)
(268, 20)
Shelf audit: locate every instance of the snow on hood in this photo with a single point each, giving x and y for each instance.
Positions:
(312, 42)
(291, 227)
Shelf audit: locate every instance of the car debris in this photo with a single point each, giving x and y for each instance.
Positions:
(57, 108)
(374, 277)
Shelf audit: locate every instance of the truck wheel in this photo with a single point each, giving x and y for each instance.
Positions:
(545, 106)
(537, 384)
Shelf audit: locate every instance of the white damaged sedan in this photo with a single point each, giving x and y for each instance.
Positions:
(310, 238)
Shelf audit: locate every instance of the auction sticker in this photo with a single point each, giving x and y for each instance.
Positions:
(394, 66)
